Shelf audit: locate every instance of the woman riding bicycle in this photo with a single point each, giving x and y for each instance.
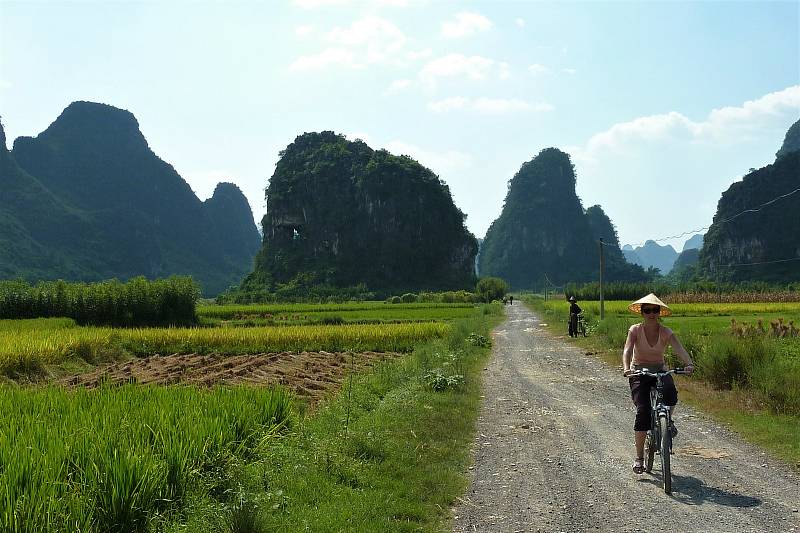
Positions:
(644, 350)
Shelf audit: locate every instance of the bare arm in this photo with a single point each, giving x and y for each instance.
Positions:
(627, 352)
(680, 351)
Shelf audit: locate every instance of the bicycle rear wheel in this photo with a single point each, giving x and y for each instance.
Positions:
(666, 445)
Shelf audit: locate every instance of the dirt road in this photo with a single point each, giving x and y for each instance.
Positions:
(554, 453)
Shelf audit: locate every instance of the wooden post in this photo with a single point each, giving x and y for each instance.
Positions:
(602, 303)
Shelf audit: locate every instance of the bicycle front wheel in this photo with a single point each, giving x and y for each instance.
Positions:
(650, 446)
(666, 445)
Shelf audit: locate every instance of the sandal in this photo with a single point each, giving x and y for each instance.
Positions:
(638, 465)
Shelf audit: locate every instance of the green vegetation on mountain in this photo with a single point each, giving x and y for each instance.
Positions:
(769, 236)
(544, 232)
(341, 215)
(87, 199)
(791, 143)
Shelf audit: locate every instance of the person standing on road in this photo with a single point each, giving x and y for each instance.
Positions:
(644, 350)
(574, 311)
(510, 299)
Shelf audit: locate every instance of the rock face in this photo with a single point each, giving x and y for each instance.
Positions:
(340, 214)
(543, 231)
(770, 235)
(117, 209)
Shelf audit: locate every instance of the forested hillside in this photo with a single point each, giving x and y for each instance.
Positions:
(768, 236)
(543, 230)
(89, 200)
(340, 214)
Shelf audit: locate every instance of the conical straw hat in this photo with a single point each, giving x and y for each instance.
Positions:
(651, 299)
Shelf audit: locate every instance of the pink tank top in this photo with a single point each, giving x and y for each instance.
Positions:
(644, 354)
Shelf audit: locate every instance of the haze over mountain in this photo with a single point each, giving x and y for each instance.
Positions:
(694, 243)
(651, 254)
(543, 232)
(340, 214)
(768, 237)
(87, 199)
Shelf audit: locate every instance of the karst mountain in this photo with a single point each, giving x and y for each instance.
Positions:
(544, 235)
(87, 199)
(340, 214)
(762, 244)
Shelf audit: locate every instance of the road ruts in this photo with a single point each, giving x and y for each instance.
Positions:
(553, 452)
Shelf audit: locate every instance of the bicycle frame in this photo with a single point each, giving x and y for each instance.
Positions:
(659, 439)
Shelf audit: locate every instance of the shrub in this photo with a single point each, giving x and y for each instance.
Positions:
(395, 300)
(490, 289)
(408, 298)
(439, 381)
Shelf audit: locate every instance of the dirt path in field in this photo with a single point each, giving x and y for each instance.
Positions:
(554, 451)
(308, 374)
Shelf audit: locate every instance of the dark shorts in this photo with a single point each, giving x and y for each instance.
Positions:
(640, 394)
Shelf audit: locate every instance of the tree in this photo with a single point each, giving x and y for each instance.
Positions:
(490, 289)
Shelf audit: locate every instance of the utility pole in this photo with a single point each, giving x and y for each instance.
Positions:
(602, 303)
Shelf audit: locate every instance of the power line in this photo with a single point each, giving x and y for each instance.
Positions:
(763, 262)
(690, 232)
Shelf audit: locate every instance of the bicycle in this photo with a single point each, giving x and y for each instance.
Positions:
(581, 329)
(577, 323)
(659, 438)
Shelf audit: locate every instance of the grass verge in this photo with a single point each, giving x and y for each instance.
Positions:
(389, 453)
(752, 410)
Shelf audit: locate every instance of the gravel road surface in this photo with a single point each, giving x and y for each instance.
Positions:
(554, 450)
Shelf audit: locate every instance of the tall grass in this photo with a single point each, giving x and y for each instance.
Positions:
(106, 460)
(138, 302)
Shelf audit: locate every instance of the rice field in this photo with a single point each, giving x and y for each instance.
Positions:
(348, 311)
(112, 460)
(135, 458)
(39, 347)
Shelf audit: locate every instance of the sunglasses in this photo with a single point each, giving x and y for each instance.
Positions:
(651, 310)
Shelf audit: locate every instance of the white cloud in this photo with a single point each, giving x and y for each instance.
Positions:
(5, 84)
(537, 69)
(449, 104)
(329, 57)
(727, 124)
(465, 24)
(397, 86)
(304, 30)
(570, 71)
(460, 66)
(440, 162)
(488, 106)
(369, 40)
(315, 4)
(414, 55)
(520, 22)
(680, 158)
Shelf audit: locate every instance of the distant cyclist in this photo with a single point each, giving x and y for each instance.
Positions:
(574, 311)
(644, 350)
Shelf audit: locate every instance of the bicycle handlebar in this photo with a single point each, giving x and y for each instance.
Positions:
(680, 370)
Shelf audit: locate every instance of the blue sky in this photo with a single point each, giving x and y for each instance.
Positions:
(661, 105)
